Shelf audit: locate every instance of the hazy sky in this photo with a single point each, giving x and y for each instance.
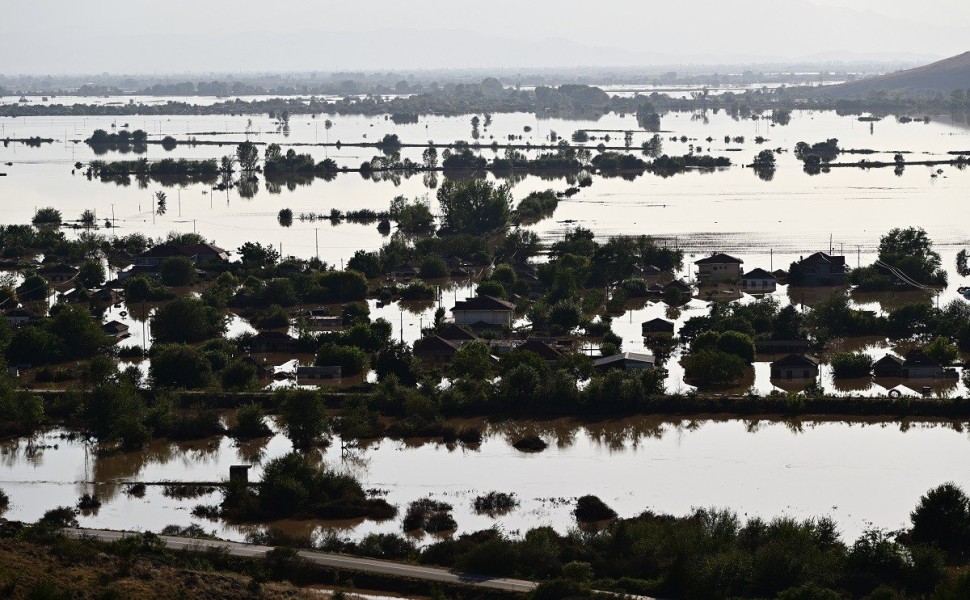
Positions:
(63, 36)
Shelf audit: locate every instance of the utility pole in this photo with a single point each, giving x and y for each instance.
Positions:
(193, 225)
(112, 218)
(316, 235)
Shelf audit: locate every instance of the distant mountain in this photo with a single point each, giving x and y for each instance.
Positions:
(942, 76)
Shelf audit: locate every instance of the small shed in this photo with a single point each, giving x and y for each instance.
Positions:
(626, 361)
(657, 327)
(795, 366)
(888, 366)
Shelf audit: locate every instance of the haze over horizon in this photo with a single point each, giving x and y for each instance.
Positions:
(61, 37)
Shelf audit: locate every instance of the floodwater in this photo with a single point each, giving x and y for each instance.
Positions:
(767, 224)
(860, 474)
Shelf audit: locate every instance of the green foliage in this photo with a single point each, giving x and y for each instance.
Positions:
(179, 366)
(141, 288)
(474, 206)
(250, 422)
(942, 519)
(238, 376)
(91, 274)
(34, 287)
(942, 351)
(303, 416)
(851, 364)
(713, 368)
(187, 320)
(47, 217)
(350, 359)
(177, 271)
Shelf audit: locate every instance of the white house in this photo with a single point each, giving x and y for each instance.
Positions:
(758, 281)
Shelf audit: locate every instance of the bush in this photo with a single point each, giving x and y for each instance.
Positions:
(495, 503)
(590, 509)
(250, 422)
(433, 267)
(713, 367)
(851, 364)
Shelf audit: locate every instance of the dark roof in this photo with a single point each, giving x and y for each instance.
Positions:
(483, 303)
(541, 348)
(889, 359)
(20, 312)
(918, 359)
(650, 270)
(59, 268)
(658, 324)
(795, 360)
(202, 249)
(719, 259)
(162, 251)
(115, 327)
(432, 344)
(679, 284)
(451, 331)
(758, 273)
(822, 257)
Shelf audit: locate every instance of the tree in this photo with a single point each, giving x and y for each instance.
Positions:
(91, 274)
(473, 361)
(352, 361)
(942, 351)
(47, 217)
(80, 332)
(34, 287)
(238, 376)
(851, 364)
(247, 155)
(187, 320)
(647, 117)
(303, 417)
(179, 366)
(738, 344)
(395, 359)
(713, 367)
(474, 206)
(177, 271)
(942, 519)
(256, 255)
(911, 251)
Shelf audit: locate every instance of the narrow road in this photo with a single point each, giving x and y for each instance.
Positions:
(335, 561)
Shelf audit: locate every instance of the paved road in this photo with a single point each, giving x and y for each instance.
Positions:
(336, 561)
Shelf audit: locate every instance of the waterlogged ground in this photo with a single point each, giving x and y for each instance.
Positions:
(860, 474)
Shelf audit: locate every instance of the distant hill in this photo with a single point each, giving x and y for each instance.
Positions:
(942, 76)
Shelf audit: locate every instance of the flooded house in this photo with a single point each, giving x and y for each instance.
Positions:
(758, 281)
(543, 349)
(266, 342)
(435, 350)
(115, 329)
(19, 316)
(59, 273)
(657, 327)
(921, 366)
(718, 268)
(795, 366)
(484, 310)
(819, 270)
(888, 366)
(456, 333)
(313, 375)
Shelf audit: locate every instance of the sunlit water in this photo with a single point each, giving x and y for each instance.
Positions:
(861, 475)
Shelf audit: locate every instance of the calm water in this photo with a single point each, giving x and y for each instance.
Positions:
(859, 474)
(768, 224)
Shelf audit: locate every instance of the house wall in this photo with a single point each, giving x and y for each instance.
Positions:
(492, 317)
(719, 272)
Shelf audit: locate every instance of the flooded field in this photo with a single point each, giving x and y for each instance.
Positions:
(860, 474)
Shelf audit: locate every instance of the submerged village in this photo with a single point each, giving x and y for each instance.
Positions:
(384, 336)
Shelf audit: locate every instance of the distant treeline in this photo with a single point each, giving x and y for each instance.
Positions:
(490, 96)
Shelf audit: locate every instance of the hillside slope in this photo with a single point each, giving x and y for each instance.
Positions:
(942, 76)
